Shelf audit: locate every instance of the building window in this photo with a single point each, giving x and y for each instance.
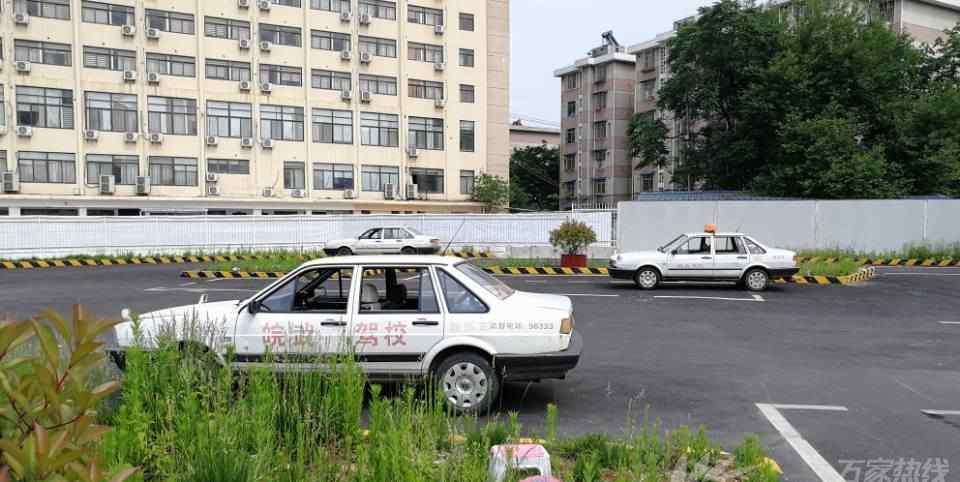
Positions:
(107, 14)
(109, 59)
(599, 186)
(569, 162)
(648, 89)
(426, 133)
(173, 171)
(600, 130)
(172, 116)
(227, 70)
(373, 178)
(600, 74)
(281, 123)
(228, 166)
(330, 80)
(599, 101)
(280, 35)
(570, 189)
(323, 40)
(425, 89)
(467, 94)
(226, 28)
(58, 9)
(40, 107)
(427, 180)
(281, 75)
(170, 21)
(332, 126)
(286, 3)
(646, 182)
(466, 22)
(331, 5)
(112, 112)
(378, 84)
(424, 15)
(332, 177)
(466, 58)
(380, 47)
(229, 119)
(47, 167)
(124, 169)
(425, 52)
(3, 161)
(468, 135)
(379, 9)
(571, 81)
(600, 156)
(3, 122)
(42, 53)
(379, 129)
(571, 136)
(294, 175)
(175, 65)
(571, 108)
(648, 60)
(467, 181)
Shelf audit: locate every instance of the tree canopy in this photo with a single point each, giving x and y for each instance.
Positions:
(535, 179)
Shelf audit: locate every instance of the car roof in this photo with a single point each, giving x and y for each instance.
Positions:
(398, 259)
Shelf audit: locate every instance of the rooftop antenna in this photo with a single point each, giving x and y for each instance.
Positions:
(444, 253)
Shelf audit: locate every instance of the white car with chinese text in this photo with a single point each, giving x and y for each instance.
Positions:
(425, 318)
(386, 240)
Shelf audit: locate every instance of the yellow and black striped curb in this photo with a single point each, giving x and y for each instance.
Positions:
(858, 277)
(919, 262)
(142, 260)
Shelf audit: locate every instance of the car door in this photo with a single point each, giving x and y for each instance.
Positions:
(370, 242)
(303, 319)
(730, 256)
(396, 319)
(693, 259)
(393, 240)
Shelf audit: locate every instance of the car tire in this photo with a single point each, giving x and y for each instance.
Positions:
(756, 279)
(468, 383)
(344, 251)
(408, 250)
(647, 278)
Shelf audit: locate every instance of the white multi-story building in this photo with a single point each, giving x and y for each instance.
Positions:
(250, 106)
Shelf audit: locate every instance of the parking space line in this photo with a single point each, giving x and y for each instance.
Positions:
(949, 322)
(587, 295)
(941, 413)
(162, 289)
(814, 460)
(919, 274)
(754, 299)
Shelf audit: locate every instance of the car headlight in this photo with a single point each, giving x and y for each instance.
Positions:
(566, 325)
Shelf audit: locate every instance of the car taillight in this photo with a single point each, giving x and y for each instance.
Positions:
(434, 241)
(566, 325)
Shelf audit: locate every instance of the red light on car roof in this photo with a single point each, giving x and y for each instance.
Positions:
(710, 228)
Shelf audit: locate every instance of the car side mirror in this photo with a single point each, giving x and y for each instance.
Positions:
(253, 307)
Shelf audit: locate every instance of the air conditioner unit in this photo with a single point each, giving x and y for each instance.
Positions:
(131, 137)
(128, 30)
(143, 185)
(440, 103)
(130, 75)
(153, 33)
(153, 77)
(212, 177)
(346, 94)
(245, 44)
(298, 193)
(438, 29)
(267, 143)
(23, 66)
(267, 192)
(439, 66)
(412, 152)
(213, 191)
(243, 3)
(346, 55)
(364, 19)
(156, 138)
(345, 16)
(266, 87)
(91, 135)
(212, 141)
(365, 57)
(413, 191)
(366, 96)
(349, 194)
(11, 182)
(24, 131)
(264, 5)
(388, 191)
(107, 184)
(245, 85)
(246, 142)
(21, 18)
(265, 46)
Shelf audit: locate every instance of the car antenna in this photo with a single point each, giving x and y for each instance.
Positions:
(447, 248)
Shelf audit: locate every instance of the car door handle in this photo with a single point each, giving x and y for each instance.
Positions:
(706, 257)
(426, 323)
(333, 323)
(741, 257)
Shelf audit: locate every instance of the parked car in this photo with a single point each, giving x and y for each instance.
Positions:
(418, 318)
(387, 240)
(706, 256)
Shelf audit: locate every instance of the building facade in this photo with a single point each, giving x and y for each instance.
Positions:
(251, 106)
(523, 136)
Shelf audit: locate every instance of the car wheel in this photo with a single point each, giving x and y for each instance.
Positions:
(344, 251)
(468, 382)
(408, 250)
(647, 278)
(756, 279)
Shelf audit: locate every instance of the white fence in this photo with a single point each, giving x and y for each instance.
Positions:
(24, 237)
(865, 226)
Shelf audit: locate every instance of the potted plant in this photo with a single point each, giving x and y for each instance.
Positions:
(572, 238)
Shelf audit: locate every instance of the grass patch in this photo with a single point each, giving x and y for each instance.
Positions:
(534, 263)
(910, 251)
(274, 261)
(842, 267)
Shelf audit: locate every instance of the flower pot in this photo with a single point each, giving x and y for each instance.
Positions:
(573, 261)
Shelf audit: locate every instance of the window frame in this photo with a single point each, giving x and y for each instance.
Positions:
(425, 133)
(382, 47)
(282, 73)
(467, 57)
(321, 171)
(423, 52)
(384, 175)
(424, 15)
(425, 89)
(470, 134)
(110, 10)
(328, 40)
(289, 118)
(433, 180)
(228, 167)
(294, 175)
(60, 103)
(115, 110)
(176, 108)
(384, 125)
(67, 174)
(378, 9)
(171, 19)
(318, 115)
(281, 35)
(116, 162)
(381, 84)
(472, 89)
(118, 60)
(232, 122)
(24, 51)
(234, 70)
(234, 28)
(335, 6)
(170, 65)
(174, 163)
(472, 183)
(335, 78)
(471, 21)
(52, 9)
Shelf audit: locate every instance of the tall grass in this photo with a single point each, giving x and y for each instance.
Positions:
(909, 251)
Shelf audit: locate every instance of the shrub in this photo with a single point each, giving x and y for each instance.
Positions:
(572, 237)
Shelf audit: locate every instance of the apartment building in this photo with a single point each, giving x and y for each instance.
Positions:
(251, 106)
(597, 103)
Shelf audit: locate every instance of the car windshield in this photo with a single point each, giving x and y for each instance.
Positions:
(676, 241)
(488, 282)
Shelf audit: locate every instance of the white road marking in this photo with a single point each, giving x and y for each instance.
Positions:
(920, 274)
(162, 289)
(586, 295)
(950, 322)
(755, 299)
(189, 284)
(817, 463)
(941, 413)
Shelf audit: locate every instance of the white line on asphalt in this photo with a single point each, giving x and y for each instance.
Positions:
(920, 274)
(950, 322)
(587, 295)
(755, 299)
(941, 413)
(817, 463)
(189, 284)
(161, 289)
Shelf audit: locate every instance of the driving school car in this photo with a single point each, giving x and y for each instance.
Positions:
(403, 317)
(386, 240)
(706, 256)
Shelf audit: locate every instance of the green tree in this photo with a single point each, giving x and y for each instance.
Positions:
(535, 178)
(647, 137)
(492, 191)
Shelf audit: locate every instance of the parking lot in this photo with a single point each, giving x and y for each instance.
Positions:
(850, 370)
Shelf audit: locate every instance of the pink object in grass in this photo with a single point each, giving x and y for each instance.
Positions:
(540, 478)
(503, 458)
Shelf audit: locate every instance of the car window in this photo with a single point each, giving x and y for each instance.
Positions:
(323, 290)
(397, 290)
(493, 285)
(695, 245)
(371, 234)
(729, 245)
(753, 247)
(459, 299)
(403, 234)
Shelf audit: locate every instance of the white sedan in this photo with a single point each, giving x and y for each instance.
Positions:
(402, 317)
(386, 240)
(706, 256)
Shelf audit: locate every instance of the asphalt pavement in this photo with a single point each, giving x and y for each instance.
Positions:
(851, 370)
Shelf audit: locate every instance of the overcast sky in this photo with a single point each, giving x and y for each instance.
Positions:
(549, 34)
